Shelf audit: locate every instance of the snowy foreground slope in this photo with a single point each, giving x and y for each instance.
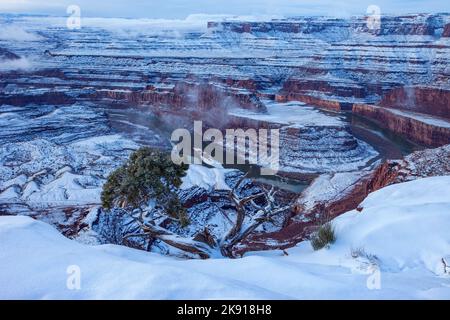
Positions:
(394, 248)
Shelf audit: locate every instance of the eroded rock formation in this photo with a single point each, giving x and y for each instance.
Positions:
(425, 130)
(434, 101)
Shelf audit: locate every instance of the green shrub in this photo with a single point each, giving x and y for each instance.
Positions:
(148, 174)
(323, 237)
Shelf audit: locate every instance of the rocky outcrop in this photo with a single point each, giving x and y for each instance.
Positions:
(330, 94)
(186, 95)
(308, 213)
(321, 93)
(309, 99)
(423, 130)
(315, 149)
(382, 176)
(344, 89)
(7, 55)
(390, 25)
(193, 196)
(57, 98)
(446, 31)
(425, 163)
(428, 100)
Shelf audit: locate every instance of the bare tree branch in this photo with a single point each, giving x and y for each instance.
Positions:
(170, 238)
(265, 213)
(177, 241)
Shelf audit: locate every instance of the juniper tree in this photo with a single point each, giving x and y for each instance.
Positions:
(148, 174)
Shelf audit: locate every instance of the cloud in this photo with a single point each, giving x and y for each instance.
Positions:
(16, 33)
(28, 6)
(16, 64)
(179, 9)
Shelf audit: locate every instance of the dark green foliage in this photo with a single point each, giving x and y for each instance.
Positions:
(148, 174)
(323, 237)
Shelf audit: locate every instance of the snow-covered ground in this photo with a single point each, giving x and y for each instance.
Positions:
(206, 178)
(291, 113)
(394, 248)
(327, 188)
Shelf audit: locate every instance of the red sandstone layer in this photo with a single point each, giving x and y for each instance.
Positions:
(428, 100)
(413, 128)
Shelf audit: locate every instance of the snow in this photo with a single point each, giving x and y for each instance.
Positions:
(425, 118)
(433, 121)
(290, 113)
(48, 174)
(66, 189)
(394, 249)
(328, 187)
(404, 225)
(206, 178)
(10, 193)
(19, 180)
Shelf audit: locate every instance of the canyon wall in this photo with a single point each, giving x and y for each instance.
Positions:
(415, 129)
(434, 101)
(311, 100)
(197, 96)
(397, 25)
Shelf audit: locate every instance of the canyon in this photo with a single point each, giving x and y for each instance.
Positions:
(80, 101)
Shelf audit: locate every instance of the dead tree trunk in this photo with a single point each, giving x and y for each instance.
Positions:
(264, 214)
(172, 239)
(176, 241)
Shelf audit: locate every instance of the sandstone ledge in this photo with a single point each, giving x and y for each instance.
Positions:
(426, 130)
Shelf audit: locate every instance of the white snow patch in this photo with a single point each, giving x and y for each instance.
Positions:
(327, 187)
(290, 113)
(19, 181)
(206, 178)
(67, 189)
(10, 193)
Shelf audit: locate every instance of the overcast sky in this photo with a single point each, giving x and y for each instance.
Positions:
(181, 8)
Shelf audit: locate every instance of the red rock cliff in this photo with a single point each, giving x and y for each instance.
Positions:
(413, 129)
(428, 100)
